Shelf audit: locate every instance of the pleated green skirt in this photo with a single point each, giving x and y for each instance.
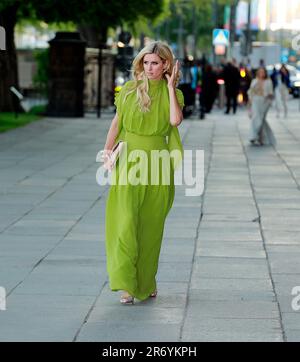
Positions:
(135, 218)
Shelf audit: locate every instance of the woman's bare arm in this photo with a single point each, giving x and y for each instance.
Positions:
(176, 116)
(112, 134)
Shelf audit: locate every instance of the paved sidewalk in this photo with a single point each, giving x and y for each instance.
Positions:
(229, 259)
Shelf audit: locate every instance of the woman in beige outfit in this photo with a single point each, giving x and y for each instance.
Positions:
(260, 98)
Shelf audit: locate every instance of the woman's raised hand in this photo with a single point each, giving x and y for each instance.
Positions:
(173, 77)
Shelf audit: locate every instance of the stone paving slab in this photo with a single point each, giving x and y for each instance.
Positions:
(214, 249)
(76, 276)
(232, 330)
(43, 317)
(216, 267)
(129, 332)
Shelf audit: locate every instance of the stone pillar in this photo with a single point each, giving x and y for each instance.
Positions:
(91, 79)
(66, 75)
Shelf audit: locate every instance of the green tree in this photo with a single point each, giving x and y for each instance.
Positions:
(197, 18)
(8, 61)
(93, 19)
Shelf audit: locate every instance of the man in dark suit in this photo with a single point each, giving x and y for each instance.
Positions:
(231, 76)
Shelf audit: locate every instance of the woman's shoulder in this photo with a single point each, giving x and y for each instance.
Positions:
(129, 84)
(120, 96)
(253, 82)
(127, 87)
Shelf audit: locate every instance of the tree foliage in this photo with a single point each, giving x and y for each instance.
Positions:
(100, 13)
(97, 16)
(197, 18)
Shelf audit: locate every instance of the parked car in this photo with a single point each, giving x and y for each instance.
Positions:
(295, 84)
(294, 77)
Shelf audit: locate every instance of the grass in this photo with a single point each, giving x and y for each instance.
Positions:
(8, 120)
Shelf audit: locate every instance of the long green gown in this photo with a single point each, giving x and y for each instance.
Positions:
(135, 214)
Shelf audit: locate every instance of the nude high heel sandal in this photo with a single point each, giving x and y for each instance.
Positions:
(127, 300)
(153, 295)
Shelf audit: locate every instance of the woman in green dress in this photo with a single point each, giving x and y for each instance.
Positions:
(148, 111)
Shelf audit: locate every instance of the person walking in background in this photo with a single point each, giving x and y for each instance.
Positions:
(260, 99)
(262, 63)
(201, 72)
(281, 85)
(195, 80)
(209, 88)
(149, 109)
(231, 76)
(194, 74)
(186, 87)
(245, 81)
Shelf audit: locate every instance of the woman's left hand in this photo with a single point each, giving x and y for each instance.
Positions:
(172, 79)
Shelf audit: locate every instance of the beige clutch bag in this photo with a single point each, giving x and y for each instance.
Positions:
(110, 158)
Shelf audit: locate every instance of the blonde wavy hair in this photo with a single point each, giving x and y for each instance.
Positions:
(141, 88)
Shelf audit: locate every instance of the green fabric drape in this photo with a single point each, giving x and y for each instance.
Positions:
(136, 214)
